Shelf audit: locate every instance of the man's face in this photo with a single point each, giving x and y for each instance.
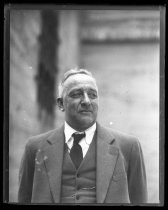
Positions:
(80, 101)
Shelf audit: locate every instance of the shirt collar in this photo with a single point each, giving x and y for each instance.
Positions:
(68, 131)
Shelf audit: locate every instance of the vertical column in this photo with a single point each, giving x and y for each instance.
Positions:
(47, 68)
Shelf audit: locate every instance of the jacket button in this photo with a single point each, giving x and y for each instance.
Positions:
(77, 197)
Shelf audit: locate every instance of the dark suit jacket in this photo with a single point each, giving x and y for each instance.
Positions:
(120, 172)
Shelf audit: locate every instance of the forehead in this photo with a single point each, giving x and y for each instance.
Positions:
(80, 81)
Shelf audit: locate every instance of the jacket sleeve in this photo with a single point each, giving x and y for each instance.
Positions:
(26, 174)
(137, 183)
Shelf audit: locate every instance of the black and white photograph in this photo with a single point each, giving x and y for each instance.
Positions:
(85, 105)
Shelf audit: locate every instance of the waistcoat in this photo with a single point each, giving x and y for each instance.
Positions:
(79, 185)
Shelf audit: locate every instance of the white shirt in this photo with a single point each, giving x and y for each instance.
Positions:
(84, 143)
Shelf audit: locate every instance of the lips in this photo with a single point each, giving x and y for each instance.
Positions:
(85, 111)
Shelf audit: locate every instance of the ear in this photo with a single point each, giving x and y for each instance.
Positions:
(60, 104)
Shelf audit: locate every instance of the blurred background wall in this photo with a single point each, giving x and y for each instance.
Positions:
(120, 48)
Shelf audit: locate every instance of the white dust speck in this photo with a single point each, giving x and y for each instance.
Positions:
(45, 157)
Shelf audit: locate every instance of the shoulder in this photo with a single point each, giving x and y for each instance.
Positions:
(122, 137)
(40, 140)
(127, 143)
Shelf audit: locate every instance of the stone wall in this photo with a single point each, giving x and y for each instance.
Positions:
(24, 30)
(127, 74)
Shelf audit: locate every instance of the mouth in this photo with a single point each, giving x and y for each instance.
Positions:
(85, 111)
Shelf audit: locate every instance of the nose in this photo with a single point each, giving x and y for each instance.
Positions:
(86, 99)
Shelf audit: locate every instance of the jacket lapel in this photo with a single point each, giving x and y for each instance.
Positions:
(53, 154)
(106, 159)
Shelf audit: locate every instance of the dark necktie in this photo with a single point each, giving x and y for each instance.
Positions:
(76, 150)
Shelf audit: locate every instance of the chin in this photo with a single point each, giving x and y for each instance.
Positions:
(81, 122)
(86, 123)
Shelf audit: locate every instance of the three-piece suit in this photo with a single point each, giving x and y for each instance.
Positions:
(112, 171)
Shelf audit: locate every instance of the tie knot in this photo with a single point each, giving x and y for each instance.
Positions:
(78, 136)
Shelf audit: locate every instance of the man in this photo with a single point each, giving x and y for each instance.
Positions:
(82, 162)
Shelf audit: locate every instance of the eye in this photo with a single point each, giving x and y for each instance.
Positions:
(75, 94)
(92, 94)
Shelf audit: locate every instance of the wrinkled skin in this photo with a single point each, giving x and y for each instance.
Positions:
(80, 101)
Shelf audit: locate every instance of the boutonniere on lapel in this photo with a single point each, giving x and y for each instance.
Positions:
(112, 149)
(39, 160)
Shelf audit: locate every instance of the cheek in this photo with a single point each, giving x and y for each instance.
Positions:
(95, 104)
(70, 105)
